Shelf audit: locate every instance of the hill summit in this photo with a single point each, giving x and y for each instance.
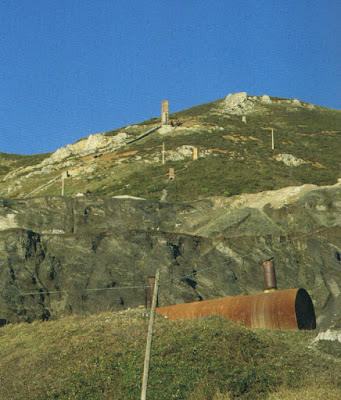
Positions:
(240, 144)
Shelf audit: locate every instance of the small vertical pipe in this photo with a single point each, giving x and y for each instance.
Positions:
(269, 275)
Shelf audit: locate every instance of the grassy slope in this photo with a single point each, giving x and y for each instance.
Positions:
(101, 357)
(241, 159)
(8, 162)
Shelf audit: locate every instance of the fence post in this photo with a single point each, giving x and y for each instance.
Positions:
(272, 139)
(149, 338)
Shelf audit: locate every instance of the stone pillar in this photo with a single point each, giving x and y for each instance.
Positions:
(165, 113)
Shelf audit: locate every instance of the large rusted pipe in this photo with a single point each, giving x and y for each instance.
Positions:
(269, 275)
(280, 309)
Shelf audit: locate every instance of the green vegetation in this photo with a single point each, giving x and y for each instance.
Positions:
(101, 357)
(239, 158)
(8, 162)
(234, 157)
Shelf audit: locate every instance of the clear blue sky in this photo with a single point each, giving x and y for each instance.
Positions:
(70, 68)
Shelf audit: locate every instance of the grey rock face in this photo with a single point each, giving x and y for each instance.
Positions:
(241, 104)
(85, 255)
(238, 103)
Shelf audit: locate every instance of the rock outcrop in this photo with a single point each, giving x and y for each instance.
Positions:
(89, 145)
(290, 160)
(84, 255)
(240, 103)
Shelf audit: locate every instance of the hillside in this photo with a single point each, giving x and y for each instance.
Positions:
(235, 154)
(101, 357)
(76, 266)
(234, 220)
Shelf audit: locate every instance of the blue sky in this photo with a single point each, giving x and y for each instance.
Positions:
(70, 68)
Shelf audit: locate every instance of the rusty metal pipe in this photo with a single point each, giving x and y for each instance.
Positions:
(269, 275)
(280, 309)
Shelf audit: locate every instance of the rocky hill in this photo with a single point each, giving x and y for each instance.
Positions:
(233, 138)
(207, 230)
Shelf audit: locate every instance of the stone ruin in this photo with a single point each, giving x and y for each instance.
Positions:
(165, 123)
(164, 112)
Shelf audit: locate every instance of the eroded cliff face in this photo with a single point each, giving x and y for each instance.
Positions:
(84, 255)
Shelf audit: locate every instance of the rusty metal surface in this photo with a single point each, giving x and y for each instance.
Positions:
(269, 275)
(275, 310)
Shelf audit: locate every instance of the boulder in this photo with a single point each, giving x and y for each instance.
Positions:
(265, 99)
(238, 103)
(290, 160)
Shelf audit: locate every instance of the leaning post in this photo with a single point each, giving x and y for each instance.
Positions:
(149, 338)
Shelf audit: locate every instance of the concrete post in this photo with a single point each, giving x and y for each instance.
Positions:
(64, 175)
(195, 153)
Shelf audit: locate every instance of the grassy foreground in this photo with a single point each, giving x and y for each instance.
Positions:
(101, 357)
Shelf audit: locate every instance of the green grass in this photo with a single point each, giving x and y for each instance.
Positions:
(8, 162)
(101, 357)
(248, 164)
(241, 160)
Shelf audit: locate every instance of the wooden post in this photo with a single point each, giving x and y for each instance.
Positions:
(163, 153)
(63, 185)
(149, 338)
(195, 153)
(273, 139)
(149, 292)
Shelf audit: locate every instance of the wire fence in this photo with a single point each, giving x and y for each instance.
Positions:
(186, 276)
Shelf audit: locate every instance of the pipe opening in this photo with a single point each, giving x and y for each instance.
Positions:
(304, 309)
